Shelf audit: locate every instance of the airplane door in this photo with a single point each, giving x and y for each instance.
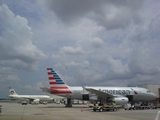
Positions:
(130, 98)
(85, 97)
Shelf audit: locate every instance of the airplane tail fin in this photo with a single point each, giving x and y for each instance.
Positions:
(12, 91)
(57, 85)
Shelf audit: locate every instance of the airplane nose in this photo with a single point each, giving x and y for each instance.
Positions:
(154, 96)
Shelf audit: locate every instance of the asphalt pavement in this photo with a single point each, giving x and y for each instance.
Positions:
(16, 111)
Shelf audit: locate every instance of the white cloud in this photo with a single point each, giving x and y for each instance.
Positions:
(109, 14)
(72, 51)
(17, 51)
(17, 48)
(97, 42)
(126, 34)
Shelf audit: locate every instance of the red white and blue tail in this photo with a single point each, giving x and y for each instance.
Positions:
(57, 86)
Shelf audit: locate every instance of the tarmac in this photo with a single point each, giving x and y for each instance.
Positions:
(16, 111)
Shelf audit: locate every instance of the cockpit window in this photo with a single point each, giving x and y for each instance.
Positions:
(148, 91)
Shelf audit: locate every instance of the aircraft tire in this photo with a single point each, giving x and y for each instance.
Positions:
(114, 109)
(100, 110)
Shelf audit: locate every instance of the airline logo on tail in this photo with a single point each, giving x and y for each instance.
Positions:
(57, 86)
(11, 91)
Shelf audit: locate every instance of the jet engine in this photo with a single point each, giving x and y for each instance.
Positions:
(36, 101)
(120, 100)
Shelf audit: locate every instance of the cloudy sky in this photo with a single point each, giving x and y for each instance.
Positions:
(87, 42)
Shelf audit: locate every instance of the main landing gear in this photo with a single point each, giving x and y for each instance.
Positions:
(69, 102)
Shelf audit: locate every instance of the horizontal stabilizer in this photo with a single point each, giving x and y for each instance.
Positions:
(45, 89)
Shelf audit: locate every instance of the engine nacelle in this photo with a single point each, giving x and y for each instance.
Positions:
(120, 100)
(36, 100)
(89, 97)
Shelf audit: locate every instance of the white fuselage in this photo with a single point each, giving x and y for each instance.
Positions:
(32, 97)
(139, 94)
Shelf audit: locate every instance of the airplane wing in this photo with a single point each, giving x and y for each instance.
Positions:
(31, 99)
(99, 93)
(46, 89)
(28, 98)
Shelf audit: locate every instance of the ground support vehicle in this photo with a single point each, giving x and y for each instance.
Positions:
(142, 107)
(157, 106)
(44, 103)
(128, 106)
(24, 102)
(105, 108)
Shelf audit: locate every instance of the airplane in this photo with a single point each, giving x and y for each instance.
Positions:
(120, 95)
(30, 98)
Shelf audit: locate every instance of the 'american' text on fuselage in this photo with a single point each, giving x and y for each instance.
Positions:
(117, 92)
